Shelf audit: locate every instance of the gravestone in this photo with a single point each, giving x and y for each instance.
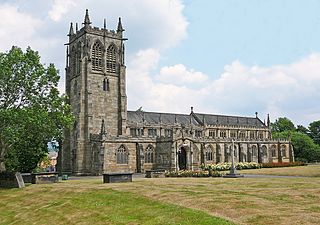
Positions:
(11, 180)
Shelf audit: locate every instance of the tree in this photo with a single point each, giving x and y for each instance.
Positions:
(314, 128)
(303, 130)
(32, 111)
(282, 124)
(304, 147)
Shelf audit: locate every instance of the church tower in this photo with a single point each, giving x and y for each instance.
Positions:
(95, 85)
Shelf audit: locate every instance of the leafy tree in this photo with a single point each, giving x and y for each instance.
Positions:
(314, 128)
(282, 124)
(303, 130)
(32, 112)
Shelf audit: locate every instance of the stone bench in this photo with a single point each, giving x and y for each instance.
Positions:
(155, 174)
(117, 177)
(44, 178)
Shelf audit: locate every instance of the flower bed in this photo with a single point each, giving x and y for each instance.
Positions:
(283, 164)
(227, 166)
(190, 173)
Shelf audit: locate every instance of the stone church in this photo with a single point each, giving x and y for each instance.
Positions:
(106, 137)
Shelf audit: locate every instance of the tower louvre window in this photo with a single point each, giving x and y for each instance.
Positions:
(96, 57)
(111, 59)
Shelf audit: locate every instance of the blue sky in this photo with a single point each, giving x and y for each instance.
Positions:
(228, 57)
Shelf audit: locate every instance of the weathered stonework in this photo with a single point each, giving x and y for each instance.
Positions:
(107, 138)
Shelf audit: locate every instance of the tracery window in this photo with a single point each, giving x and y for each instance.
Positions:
(149, 154)
(254, 150)
(283, 150)
(209, 153)
(122, 155)
(96, 56)
(111, 59)
(273, 151)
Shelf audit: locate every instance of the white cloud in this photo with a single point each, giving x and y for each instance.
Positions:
(59, 8)
(180, 75)
(16, 28)
(282, 90)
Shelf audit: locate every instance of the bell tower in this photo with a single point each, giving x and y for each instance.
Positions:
(95, 85)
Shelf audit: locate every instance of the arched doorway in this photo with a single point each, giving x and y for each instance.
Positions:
(182, 158)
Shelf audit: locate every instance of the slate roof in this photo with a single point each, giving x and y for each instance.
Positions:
(196, 119)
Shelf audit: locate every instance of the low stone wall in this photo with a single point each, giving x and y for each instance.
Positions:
(155, 174)
(11, 180)
(117, 177)
(44, 178)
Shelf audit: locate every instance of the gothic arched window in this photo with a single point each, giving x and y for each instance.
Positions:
(283, 150)
(111, 59)
(254, 150)
(96, 56)
(273, 151)
(122, 155)
(209, 153)
(149, 154)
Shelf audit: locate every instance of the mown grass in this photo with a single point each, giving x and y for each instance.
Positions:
(245, 201)
(166, 201)
(91, 203)
(304, 171)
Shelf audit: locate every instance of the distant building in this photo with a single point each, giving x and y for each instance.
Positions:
(107, 138)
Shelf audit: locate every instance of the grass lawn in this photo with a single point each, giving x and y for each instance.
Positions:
(305, 171)
(90, 202)
(165, 201)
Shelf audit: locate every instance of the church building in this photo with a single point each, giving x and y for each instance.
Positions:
(106, 137)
